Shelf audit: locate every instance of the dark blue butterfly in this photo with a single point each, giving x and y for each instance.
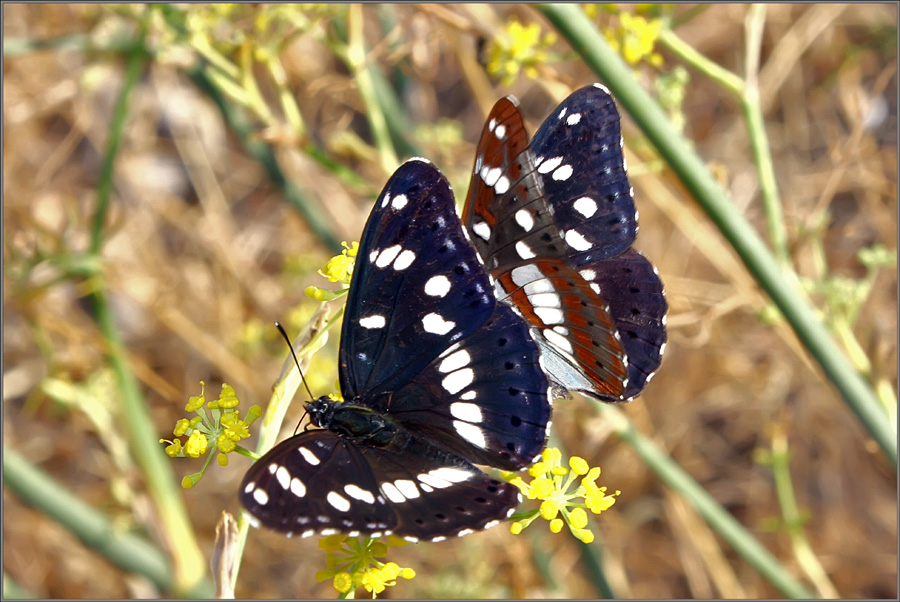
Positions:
(437, 377)
(554, 221)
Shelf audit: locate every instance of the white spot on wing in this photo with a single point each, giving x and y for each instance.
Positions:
(455, 382)
(524, 274)
(588, 274)
(392, 493)
(482, 230)
(577, 241)
(283, 477)
(374, 321)
(387, 256)
(470, 433)
(524, 250)
(432, 481)
(525, 219)
(502, 185)
(261, 497)
(454, 475)
(308, 456)
(455, 361)
(436, 324)
(338, 501)
(404, 260)
(407, 488)
(500, 132)
(359, 494)
(386, 199)
(399, 202)
(563, 173)
(545, 300)
(550, 164)
(586, 206)
(466, 411)
(490, 175)
(297, 487)
(550, 315)
(437, 286)
(558, 341)
(573, 119)
(468, 395)
(544, 285)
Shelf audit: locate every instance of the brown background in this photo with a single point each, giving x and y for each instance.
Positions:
(203, 254)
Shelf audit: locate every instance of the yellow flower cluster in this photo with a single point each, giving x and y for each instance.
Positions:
(359, 566)
(219, 423)
(551, 483)
(519, 47)
(338, 269)
(635, 39)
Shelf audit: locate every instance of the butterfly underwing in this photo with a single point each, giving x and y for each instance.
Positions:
(436, 376)
(554, 221)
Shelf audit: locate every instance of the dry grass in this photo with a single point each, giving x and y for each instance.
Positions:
(199, 240)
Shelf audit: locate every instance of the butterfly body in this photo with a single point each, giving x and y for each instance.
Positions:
(437, 377)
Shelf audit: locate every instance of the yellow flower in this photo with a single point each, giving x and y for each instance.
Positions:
(196, 445)
(578, 465)
(519, 47)
(358, 565)
(342, 582)
(218, 422)
(635, 39)
(340, 267)
(551, 484)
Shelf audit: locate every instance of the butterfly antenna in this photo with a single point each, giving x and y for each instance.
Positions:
(296, 361)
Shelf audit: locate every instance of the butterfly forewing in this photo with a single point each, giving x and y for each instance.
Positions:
(578, 153)
(417, 286)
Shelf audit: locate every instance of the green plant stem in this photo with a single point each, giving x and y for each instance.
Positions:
(718, 518)
(782, 288)
(357, 62)
(142, 436)
(793, 520)
(759, 141)
(725, 78)
(127, 551)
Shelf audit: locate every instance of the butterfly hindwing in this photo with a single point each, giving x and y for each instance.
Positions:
(485, 397)
(317, 483)
(631, 286)
(304, 486)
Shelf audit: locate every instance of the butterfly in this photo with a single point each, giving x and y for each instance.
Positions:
(553, 221)
(436, 377)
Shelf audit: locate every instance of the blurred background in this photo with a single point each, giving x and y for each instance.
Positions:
(238, 145)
